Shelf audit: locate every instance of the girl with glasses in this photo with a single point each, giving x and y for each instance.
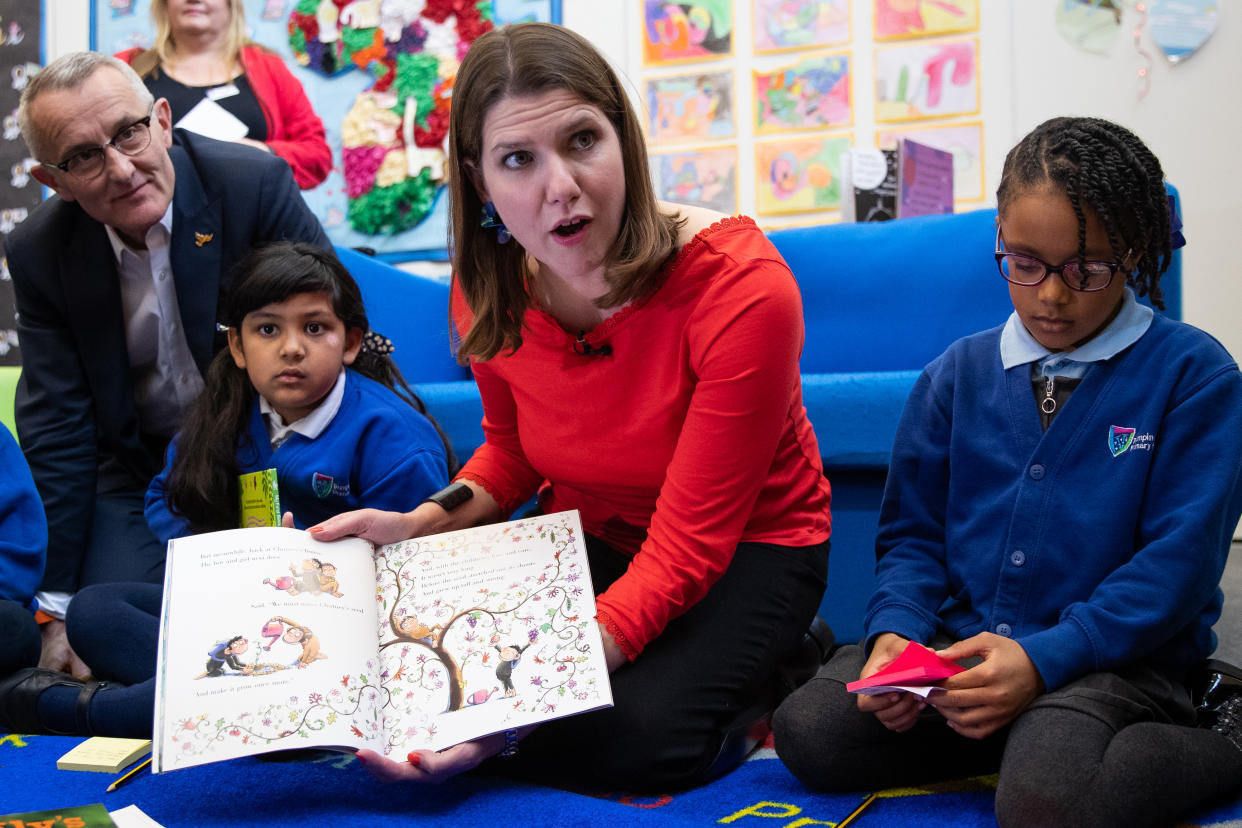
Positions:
(1059, 509)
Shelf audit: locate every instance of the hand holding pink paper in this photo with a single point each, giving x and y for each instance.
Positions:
(916, 670)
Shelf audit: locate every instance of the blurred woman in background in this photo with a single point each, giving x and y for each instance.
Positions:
(230, 87)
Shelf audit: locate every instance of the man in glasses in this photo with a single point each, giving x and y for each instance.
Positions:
(117, 281)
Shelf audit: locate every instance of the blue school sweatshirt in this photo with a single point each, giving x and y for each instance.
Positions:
(378, 452)
(1094, 544)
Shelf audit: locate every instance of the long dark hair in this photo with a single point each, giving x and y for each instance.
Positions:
(528, 59)
(1103, 167)
(202, 484)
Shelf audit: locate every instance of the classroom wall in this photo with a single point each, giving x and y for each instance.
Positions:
(1030, 73)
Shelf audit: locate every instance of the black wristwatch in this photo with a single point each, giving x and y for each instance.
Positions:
(451, 496)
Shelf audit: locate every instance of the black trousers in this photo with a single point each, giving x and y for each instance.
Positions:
(673, 704)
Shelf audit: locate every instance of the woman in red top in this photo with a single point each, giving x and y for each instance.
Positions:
(201, 53)
(638, 362)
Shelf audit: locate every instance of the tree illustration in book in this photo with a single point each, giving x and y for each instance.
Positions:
(471, 632)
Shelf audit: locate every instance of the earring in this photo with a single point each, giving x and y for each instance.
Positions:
(492, 221)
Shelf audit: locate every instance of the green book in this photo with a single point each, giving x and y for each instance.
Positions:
(260, 499)
(79, 816)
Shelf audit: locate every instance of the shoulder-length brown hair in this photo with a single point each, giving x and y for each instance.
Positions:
(529, 59)
(160, 52)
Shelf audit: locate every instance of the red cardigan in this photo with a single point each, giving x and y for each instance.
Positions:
(688, 438)
(294, 131)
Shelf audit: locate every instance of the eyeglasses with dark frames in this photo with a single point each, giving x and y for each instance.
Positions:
(1021, 269)
(88, 163)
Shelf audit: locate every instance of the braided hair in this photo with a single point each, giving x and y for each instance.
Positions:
(1104, 168)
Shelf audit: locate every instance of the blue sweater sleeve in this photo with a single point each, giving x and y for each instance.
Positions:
(23, 527)
(164, 524)
(912, 578)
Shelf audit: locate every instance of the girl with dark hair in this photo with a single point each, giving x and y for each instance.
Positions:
(304, 388)
(1059, 508)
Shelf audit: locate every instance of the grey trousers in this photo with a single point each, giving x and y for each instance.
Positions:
(1108, 749)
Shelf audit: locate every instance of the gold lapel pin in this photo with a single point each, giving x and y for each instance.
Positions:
(202, 238)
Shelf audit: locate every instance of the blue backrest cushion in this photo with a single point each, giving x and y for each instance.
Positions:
(410, 310)
(885, 296)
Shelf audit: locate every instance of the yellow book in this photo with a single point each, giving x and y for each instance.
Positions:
(103, 754)
(260, 499)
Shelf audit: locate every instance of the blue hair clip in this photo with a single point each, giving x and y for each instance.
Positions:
(492, 221)
(1176, 239)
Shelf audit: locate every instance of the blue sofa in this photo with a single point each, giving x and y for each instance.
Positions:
(880, 301)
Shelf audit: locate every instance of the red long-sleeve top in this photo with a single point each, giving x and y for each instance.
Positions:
(688, 438)
(294, 131)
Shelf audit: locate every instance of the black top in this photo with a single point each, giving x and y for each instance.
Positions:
(244, 105)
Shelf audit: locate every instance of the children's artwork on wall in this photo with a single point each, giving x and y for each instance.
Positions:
(895, 19)
(686, 31)
(703, 176)
(1180, 27)
(690, 107)
(1091, 25)
(927, 80)
(814, 93)
(359, 64)
(780, 25)
(964, 140)
(799, 175)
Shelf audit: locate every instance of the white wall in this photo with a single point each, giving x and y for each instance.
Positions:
(1191, 117)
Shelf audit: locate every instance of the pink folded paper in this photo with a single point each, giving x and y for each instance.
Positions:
(917, 666)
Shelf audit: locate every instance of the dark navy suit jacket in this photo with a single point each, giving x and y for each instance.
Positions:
(75, 403)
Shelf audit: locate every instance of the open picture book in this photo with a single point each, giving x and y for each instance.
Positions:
(270, 640)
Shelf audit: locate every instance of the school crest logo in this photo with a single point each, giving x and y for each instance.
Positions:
(1120, 439)
(322, 483)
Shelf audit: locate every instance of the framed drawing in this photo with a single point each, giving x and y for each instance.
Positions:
(686, 31)
(813, 93)
(695, 107)
(799, 175)
(896, 19)
(936, 79)
(702, 176)
(964, 140)
(782, 25)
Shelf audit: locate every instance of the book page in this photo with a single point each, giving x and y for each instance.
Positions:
(264, 637)
(484, 630)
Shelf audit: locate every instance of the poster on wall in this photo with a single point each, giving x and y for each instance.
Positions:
(359, 65)
(964, 141)
(896, 19)
(799, 175)
(1091, 25)
(20, 55)
(688, 31)
(927, 80)
(813, 93)
(703, 176)
(781, 25)
(692, 107)
(1180, 27)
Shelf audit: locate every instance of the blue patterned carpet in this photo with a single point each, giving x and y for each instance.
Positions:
(320, 788)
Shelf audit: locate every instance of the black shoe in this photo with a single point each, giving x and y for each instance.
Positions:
(19, 700)
(1212, 684)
